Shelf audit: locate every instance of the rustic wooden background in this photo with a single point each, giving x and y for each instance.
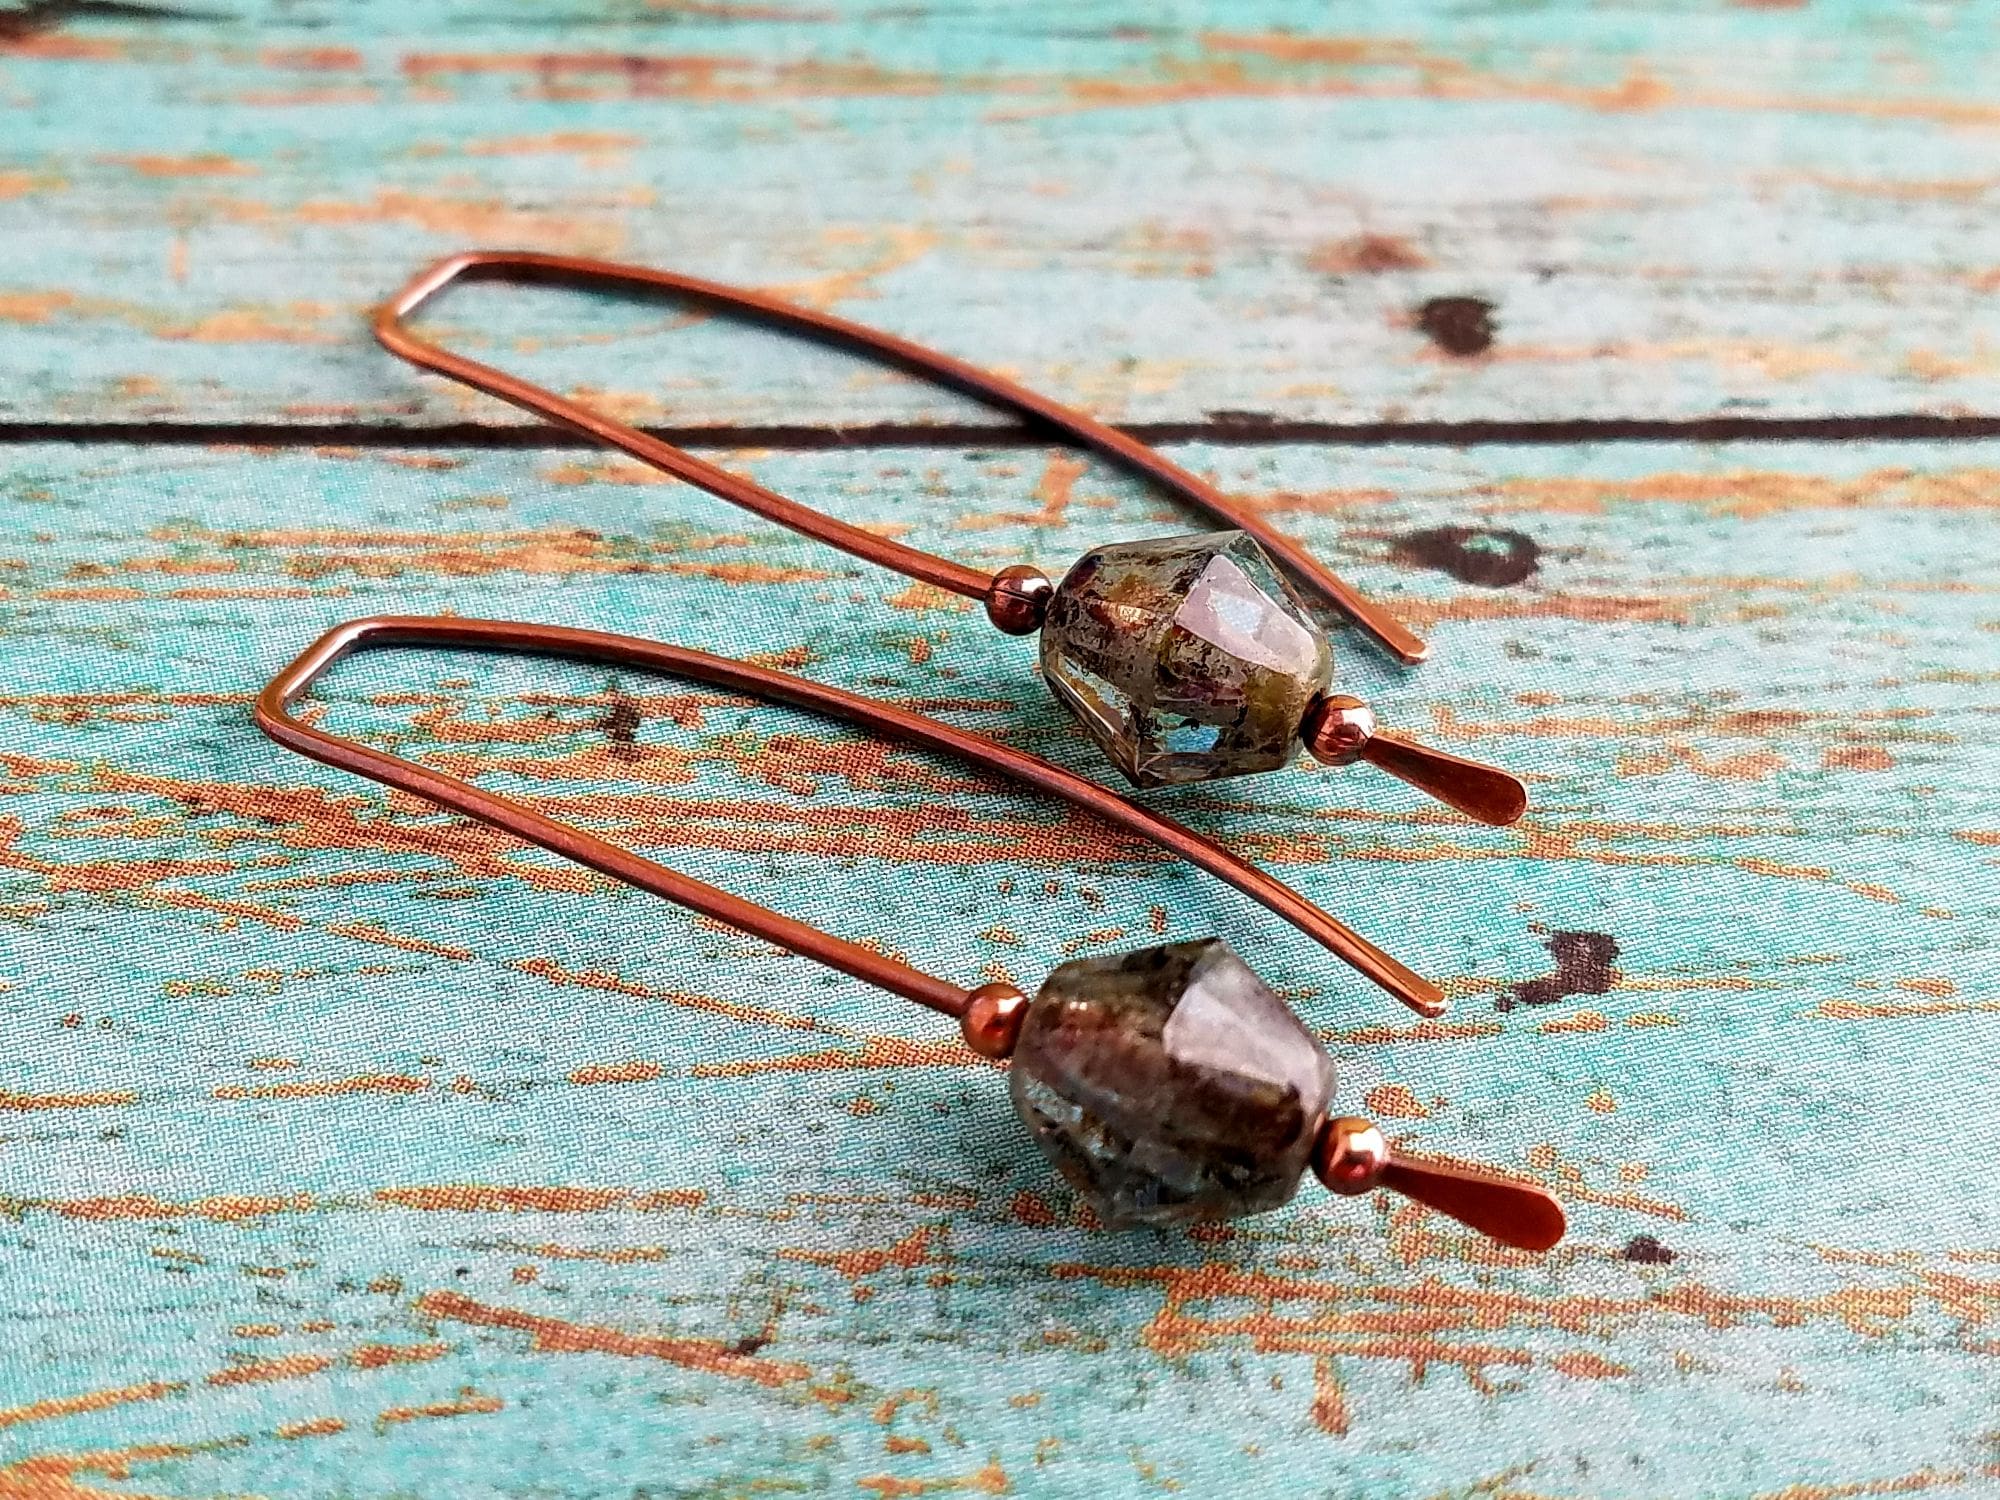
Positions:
(1645, 354)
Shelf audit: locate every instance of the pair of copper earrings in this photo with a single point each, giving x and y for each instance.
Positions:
(1168, 1084)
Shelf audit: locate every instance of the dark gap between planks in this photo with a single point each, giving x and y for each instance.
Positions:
(1232, 432)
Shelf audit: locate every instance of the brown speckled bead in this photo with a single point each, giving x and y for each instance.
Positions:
(1170, 1084)
(1187, 659)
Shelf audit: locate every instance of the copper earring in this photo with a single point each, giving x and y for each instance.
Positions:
(1169, 1084)
(1187, 659)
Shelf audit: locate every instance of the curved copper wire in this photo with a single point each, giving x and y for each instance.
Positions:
(525, 267)
(275, 718)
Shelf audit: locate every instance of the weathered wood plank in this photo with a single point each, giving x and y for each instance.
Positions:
(335, 1157)
(1679, 211)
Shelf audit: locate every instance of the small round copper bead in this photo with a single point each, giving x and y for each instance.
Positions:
(1018, 598)
(1337, 729)
(992, 1021)
(1350, 1154)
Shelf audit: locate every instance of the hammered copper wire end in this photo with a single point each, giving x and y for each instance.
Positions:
(1340, 730)
(1352, 1156)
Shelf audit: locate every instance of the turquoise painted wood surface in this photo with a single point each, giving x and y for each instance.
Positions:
(349, 1150)
(1668, 210)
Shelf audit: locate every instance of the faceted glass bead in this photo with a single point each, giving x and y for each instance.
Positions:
(1170, 1084)
(1187, 659)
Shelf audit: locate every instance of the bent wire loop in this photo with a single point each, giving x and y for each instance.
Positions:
(528, 268)
(275, 716)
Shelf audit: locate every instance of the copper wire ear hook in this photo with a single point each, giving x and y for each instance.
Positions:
(275, 717)
(524, 267)
(1350, 1154)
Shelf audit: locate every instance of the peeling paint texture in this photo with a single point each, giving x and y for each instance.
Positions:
(351, 1150)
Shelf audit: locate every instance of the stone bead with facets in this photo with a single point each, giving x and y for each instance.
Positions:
(1187, 659)
(1170, 1084)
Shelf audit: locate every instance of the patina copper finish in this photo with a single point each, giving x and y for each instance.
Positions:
(275, 717)
(583, 274)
